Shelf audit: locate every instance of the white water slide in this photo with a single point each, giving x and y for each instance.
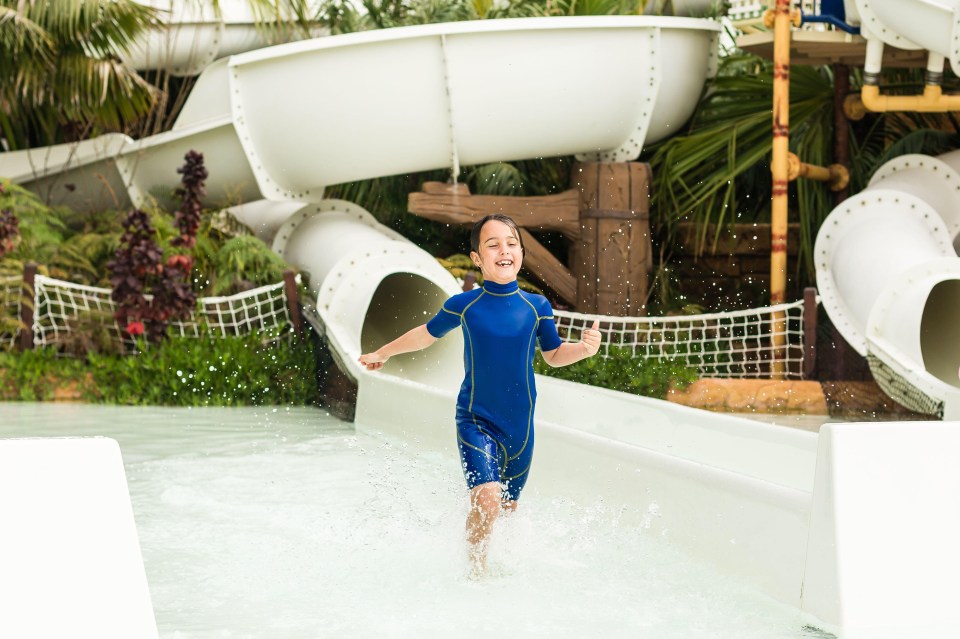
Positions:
(278, 125)
(887, 265)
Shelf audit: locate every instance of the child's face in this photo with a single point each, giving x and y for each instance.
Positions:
(500, 255)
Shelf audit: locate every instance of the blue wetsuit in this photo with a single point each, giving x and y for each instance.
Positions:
(497, 398)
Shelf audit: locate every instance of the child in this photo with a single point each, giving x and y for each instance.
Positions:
(496, 401)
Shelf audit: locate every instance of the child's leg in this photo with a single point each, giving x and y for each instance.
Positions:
(485, 504)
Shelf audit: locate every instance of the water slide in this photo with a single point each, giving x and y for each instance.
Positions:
(887, 265)
(277, 125)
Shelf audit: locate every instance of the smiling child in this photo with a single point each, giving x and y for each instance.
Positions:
(495, 407)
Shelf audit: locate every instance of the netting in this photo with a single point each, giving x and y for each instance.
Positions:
(9, 311)
(62, 307)
(902, 391)
(737, 344)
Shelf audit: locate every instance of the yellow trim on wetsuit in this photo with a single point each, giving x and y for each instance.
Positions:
(473, 365)
(533, 333)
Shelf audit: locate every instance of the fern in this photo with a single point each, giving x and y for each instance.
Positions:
(246, 262)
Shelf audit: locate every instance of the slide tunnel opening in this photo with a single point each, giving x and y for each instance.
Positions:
(401, 302)
(940, 332)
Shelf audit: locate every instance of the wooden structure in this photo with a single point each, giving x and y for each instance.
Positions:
(27, 289)
(817, 48)
(293, 301)
(605, 217)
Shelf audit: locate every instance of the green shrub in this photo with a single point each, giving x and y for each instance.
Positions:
(233, 371)
(35, 375)
(621, 371)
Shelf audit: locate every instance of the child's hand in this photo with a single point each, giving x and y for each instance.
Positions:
(373, 361)
(590, 338)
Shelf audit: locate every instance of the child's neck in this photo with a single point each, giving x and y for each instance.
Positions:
(500, 287)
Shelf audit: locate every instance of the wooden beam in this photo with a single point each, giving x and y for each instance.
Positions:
(453, 204)
(27, 297)
(547, 268)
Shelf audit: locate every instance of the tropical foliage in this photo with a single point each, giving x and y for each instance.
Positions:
(717, 171)
(63, 78)
(621, 371)
(236, 371)
(9, 231)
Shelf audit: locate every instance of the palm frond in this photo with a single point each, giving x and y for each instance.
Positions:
(733, 123)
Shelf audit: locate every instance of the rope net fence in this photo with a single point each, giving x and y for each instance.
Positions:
(736, 344)
(62, 307)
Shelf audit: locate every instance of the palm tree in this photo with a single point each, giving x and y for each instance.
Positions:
(717, 173)
(62, 74)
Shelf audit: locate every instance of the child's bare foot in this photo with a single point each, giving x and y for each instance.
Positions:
(477, 556)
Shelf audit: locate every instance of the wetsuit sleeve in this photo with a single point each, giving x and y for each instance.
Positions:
(547, 328)
(444, 321)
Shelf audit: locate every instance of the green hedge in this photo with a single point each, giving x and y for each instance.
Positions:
(236, 371)
(621, 371)
(242, 371)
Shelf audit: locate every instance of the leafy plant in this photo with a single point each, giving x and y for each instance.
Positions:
(138, 271)
(36, 375)
(135, 269)
(90, 332)
(83, 258)
(717, 172)
(9, 231)
(188, 215)
(41, 228)
(245, 262)
(237, 371)
(63, 79)
(621, 371)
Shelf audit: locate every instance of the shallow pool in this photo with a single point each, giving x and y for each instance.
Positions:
(286, 524)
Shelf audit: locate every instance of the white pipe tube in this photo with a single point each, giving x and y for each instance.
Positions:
(913, 328)
(889, 277)
(862, 244)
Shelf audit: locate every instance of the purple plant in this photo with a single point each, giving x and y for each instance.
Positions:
(138, 270)
(9, 230)
(187, 216)
(135, 267)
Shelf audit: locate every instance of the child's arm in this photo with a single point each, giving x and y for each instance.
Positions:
(413, 340)
(570, 352)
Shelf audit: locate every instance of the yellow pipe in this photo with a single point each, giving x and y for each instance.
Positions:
(779, 167)
(770, 18)
(836, 175)
(931, 101)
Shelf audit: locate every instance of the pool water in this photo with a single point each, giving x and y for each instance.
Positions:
(287, 524)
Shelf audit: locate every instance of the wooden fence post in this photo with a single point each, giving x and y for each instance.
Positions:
(27, 296)
(810, 333)
(613, 258)
(293, 301)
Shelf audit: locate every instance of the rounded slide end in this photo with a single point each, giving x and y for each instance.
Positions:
(863, 244)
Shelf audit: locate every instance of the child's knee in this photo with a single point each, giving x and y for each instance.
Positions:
(487, 498)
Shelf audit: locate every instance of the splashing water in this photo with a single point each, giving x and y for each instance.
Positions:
(288, 525)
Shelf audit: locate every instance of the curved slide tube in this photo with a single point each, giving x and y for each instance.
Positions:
(284, 122)
(889, 277)
(196, 33)
(933, 25)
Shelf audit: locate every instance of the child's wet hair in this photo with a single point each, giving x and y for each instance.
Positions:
(499, 217)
